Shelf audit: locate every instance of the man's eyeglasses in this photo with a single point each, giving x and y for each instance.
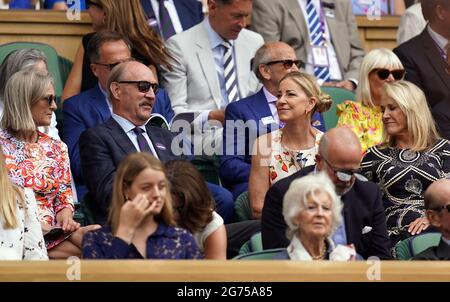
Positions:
(345, 175)
(288, 63)
(384, 73)
(447, 207)
(143, 86)
(109, 66)
(92, 3)
(50, 99)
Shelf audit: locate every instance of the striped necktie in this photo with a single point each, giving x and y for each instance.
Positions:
(229, 73)
(166, 26)
(316, 33)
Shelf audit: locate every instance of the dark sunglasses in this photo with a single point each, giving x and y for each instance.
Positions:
(288, 63)
(92, 3)
(50, 99)
(384, 73)
(345, 175)
(143, 86)
(447, 207)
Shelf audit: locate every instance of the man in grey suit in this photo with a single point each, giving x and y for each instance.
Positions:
(200, 76)
(287, 21)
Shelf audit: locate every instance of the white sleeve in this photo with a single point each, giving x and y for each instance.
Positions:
(33, 245)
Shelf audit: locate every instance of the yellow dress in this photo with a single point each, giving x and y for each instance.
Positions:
(365, 122)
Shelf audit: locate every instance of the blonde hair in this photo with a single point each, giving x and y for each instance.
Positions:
(413, 104)
(128, 18)
(296, 198)
(376, 58)
(22, 91)
(130, 167)
(308, 84)
(9, 198)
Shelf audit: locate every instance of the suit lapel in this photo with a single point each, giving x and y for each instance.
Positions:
(100, 104)
(159, 141)
(434, 57)
(120, 137)
(296, 13)
(350, 218)
(206, 61)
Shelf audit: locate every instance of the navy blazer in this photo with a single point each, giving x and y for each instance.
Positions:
(425, 67)
(102, 148)
(362, 207)
(89, 109)
(235, 167)
(190, 12)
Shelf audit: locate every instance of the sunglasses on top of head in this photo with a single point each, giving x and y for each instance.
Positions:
(288, 63)
(143, 86)
(384, 73)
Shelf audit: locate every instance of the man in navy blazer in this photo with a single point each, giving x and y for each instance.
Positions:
(364, 220)
(271, 63)
(103, 147)
(91, 107)
(184, 13)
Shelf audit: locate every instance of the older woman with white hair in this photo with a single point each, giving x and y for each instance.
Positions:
(411, 158)
(25, 59)
(364, 116)
(312, 211)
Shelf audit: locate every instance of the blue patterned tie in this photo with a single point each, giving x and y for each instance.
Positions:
(316, 32)
(229, 73)
(142, 142)
(165, 23)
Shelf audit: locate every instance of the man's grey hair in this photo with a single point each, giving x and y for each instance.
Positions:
(262, 56)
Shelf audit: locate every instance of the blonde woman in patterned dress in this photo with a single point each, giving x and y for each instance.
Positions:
(411, 158)
(20, 230)
(35, 160)
(364, 116)
(283, 152)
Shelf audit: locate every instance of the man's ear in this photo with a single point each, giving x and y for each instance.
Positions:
(433, 218)
(115, 90)
(264, 71)
(94, 69)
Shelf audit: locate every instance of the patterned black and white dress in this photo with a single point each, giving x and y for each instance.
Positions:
(403, 176)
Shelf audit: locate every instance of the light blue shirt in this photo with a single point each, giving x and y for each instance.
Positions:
(128, 127)
(218, 51)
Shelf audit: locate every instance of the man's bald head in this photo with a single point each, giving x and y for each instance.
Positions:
(437, 194)
(339, 150)
(341, 144)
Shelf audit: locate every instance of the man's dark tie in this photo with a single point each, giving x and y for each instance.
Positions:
(142, 142)
(165, 23)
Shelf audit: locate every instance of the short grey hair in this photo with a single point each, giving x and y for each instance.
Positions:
(21, 59)
(115, 76)
(262, 56)
(296, 197)
(22, 91)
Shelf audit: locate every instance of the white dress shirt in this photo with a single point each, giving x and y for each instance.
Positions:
(128, 127)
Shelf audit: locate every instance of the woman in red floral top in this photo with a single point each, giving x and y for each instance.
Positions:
(35, 160)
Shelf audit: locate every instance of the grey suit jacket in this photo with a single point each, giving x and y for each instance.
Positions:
(193, 84)
(283, 20)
